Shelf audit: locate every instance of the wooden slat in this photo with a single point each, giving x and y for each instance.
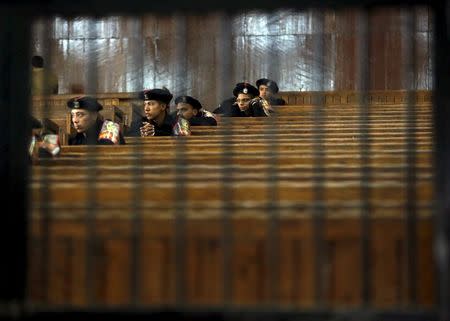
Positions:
(249, 263)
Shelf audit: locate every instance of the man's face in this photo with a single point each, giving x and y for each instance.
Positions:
(264, 92)
(83, 119)
(243, 101)
(186, 110)
(153, 108)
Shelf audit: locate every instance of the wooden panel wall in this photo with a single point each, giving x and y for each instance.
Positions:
(182, 52)
(250, 275)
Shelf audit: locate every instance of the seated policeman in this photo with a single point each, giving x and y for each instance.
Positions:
(87, 122)
(247, 104)
(157, 120)
(268, 90)
(225, 106)
(190, 108)
(36, 132)
(42, 145)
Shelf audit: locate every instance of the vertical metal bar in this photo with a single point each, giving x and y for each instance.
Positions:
(273, 235)
(223, 79)
(180, 46)
(181, 53)
(91, 167)
(39, 29)
(441, 115)
(363, 82)
(319, 210)
(411, 204)
(14, 139)
(136, 206)
(45, 182)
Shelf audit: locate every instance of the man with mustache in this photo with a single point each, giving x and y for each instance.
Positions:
(192, 110)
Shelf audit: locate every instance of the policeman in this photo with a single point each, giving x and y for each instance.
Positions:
(88, 123)
(247, 104)
(268, 90)
(225, 106)
(43, 144)
(158, 121)
(190, 108)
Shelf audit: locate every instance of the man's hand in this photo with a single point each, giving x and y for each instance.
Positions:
(147, 130)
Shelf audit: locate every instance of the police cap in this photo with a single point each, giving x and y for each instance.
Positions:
(84, 102)
(162, 95)
(189, 100)
(269, 83)
(245, 88)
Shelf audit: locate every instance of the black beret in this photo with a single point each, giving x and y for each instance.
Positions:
(162, 95)
(189, 100)
(84, 102)
(269, 83)
(245, 88)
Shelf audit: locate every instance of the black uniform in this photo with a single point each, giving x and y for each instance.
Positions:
(166, 129)
(257, 106)
(225, 106)
(90, 137)
(277, 101)
(203, 118)
(273, 101)
(255, 109)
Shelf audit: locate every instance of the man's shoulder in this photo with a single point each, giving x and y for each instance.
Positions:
(228, 102)
(170, 119)
(206, 118)
(76, 139)
(278, 102)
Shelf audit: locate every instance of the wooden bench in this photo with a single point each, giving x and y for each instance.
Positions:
(302, 115)
(302, 133)
(225, 138)
(288, 152)
(109, 253)
(202, 276)
(374, 97)
(270, 203)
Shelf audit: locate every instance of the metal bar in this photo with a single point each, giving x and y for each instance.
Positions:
(273, 235)
(319, 211)
(411, 172)
(46, 211)
(15, 27)
(91, 167)
(136, 206)
(363, 69)
(180, 57)
(443, 136)
(83, 7)
(223, 79)
(441, 65)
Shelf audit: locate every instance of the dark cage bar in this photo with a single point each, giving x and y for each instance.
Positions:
(226, 161)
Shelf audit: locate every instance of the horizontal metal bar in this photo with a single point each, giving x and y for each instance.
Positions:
(235, 314)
